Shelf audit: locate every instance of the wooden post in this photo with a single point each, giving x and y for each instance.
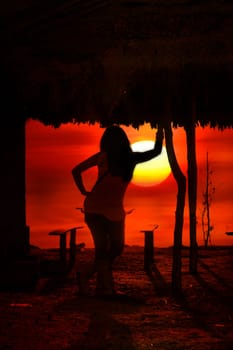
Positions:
(63, 247)
(148, 247)
(72, 245)
(14, 234)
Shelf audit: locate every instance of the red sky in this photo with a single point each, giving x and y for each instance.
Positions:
(52, 196)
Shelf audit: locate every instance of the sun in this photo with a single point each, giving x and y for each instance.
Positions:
(152, 172)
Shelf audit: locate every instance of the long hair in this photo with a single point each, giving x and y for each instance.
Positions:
(115, 143)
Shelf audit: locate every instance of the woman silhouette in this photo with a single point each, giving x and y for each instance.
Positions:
(103, 206)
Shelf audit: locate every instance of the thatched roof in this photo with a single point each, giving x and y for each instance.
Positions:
(133, 61)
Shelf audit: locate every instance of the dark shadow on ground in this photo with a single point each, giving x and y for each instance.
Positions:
(161, 287)
(211, 308)
(103, 330)
(219, 279)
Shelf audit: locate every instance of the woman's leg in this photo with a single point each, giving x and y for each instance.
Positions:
(99, 228)
(87, 270)
(116, 239)
(97, 225)
(113, 232)
(108, 237)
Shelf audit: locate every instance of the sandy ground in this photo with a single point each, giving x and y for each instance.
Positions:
(54, 317)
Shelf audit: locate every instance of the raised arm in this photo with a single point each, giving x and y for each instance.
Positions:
(80, 168)
(141, 157)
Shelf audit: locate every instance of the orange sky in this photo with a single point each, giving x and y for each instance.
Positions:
(52, 196)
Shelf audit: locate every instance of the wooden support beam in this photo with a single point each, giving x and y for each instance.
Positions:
(149, 247)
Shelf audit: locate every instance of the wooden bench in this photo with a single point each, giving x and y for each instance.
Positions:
(62, 234)
(149, 246)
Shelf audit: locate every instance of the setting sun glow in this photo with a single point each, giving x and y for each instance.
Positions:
(153, 172)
